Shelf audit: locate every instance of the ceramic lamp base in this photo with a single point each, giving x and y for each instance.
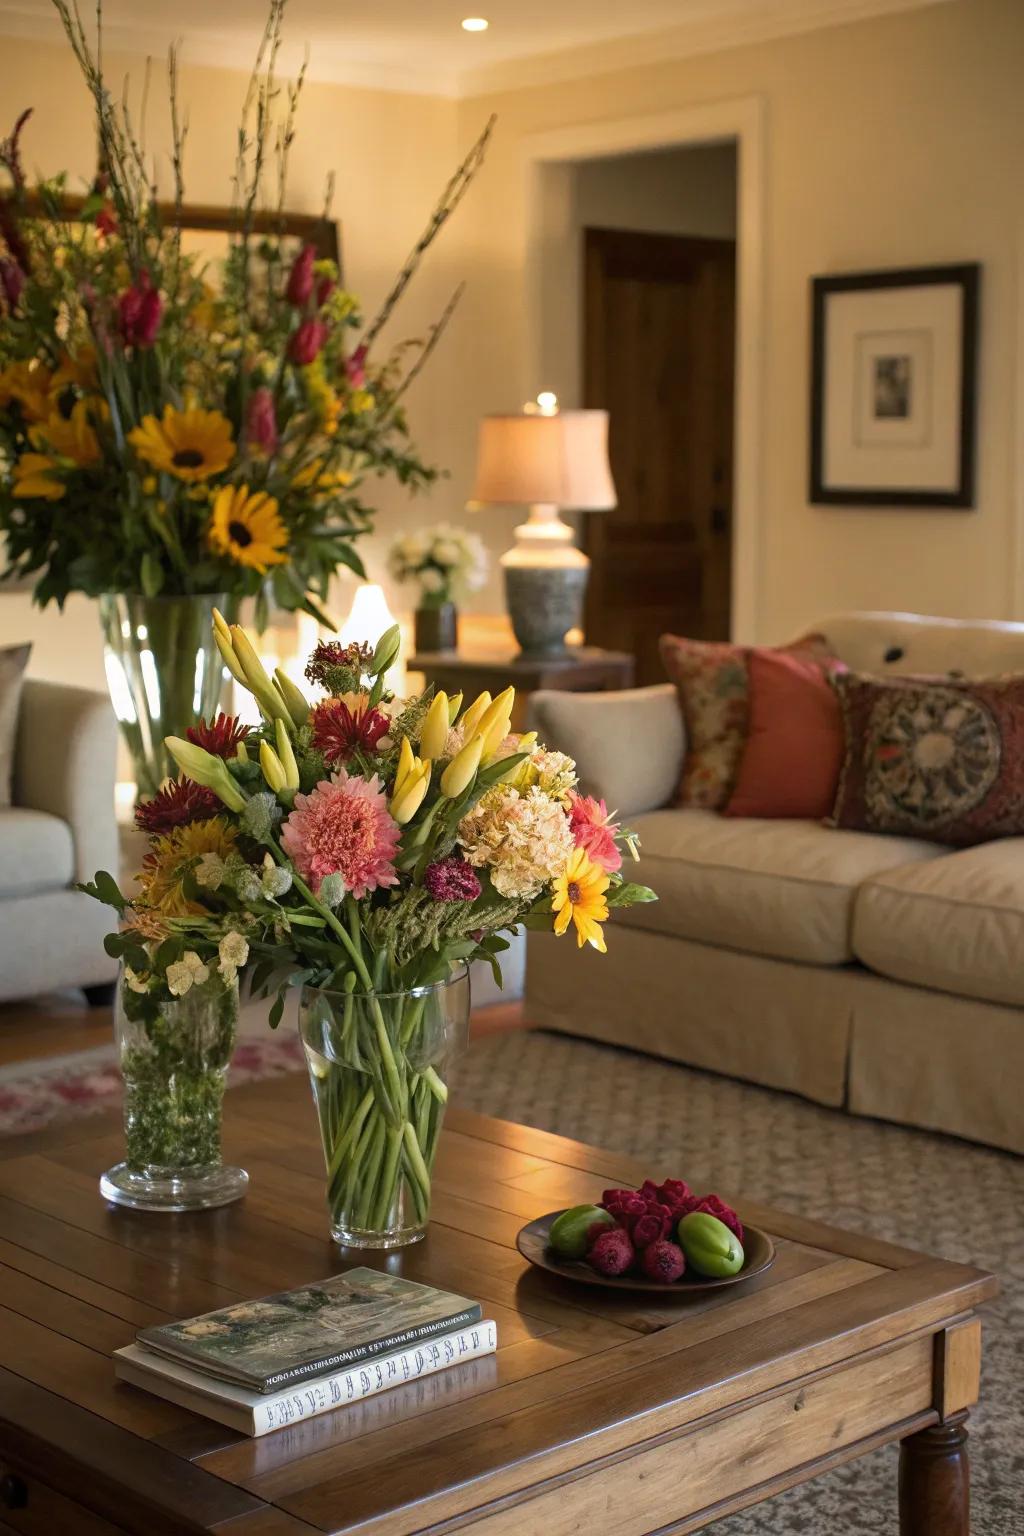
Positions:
(173, 1190)
(544, 603)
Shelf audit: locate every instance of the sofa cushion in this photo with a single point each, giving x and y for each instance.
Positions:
(779, 888)
(955, 923)
(36, 852)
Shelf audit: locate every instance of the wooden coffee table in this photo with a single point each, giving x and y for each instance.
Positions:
(628, 1415)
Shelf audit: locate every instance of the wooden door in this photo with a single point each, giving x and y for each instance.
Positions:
(659, 328)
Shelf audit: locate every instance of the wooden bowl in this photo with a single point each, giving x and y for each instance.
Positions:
(532, 1242)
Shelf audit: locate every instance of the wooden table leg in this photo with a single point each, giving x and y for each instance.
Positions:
(935, 1481)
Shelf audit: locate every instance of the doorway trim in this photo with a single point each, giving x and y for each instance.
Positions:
(741, 120)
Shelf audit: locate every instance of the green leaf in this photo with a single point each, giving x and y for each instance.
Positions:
(629, 894)
(104, 887)
(276, 1012)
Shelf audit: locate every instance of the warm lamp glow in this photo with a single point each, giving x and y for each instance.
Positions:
(475, 24)
(556, 460)
(368, 617)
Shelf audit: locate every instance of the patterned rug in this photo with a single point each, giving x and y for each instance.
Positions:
(37, 1094)
(931, 1192)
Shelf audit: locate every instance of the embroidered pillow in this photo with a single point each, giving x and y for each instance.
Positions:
(794, 749)
(941, 759)
(711, 680)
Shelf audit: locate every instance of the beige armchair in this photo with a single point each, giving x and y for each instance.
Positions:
(60, 828)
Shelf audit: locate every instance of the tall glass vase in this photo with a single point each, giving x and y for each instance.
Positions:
(174, 1059)
(378, 1064)
(164, 672)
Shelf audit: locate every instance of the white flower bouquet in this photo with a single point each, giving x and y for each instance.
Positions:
(446, 562)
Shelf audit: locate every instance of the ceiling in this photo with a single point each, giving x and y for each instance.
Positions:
(420, 45)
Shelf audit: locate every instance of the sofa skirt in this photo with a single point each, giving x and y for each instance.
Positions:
(840, 1036)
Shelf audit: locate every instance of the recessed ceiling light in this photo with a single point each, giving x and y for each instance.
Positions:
(475, 24)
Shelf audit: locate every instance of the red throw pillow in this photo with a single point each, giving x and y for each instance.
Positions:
(794, 752)
(711, 681)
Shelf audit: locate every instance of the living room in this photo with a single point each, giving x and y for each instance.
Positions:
(637, 397)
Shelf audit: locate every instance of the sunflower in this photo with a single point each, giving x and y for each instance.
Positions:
(577, 896)
(191, 445)
(173, 855)
(70, 437)
(245, 527)
(34, 476)
(28, 384)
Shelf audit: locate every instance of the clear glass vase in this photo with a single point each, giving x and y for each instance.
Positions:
(174, 1059)
(164, 672)
(377, 1064)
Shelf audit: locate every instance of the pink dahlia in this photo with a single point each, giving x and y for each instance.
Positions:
(594, 830)
(343, 828)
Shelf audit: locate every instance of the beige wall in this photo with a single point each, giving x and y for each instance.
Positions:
(669, 192)
(392, 154)
(889, 143)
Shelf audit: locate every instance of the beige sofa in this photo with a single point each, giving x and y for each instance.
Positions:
(881, 974)
(60, 828)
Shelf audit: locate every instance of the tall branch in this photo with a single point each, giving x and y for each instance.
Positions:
(449, 200)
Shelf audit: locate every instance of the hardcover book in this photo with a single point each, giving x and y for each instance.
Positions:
(258, 1413)
(313, 1331)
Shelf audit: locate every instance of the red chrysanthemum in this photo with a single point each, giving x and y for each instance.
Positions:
(330, 655)
(220, 736)
(176, 805)
(339, 730)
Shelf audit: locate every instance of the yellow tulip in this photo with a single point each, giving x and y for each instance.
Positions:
(273, 768)
(462, 770)
(221, 625)
(406, 763)
(454, 705)
(494, 735)
(241, 752)
(497, 710)
(231, 661)
(435, 727)
(206, 769)
(287, 756)
(294, 698)
(256, 678)
(473, 713)
(408, 800)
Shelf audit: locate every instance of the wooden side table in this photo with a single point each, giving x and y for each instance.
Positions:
(587, 669)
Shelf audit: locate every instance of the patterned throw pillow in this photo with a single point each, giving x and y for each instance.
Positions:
(941, 759)
(13, 661)
(713, 686)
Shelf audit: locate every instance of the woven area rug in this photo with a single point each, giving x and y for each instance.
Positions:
(37, 1094)
(930, 1192)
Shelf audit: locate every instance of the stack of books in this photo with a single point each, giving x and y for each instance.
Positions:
(263, 1365)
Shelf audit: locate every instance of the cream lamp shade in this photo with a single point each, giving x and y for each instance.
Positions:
(539, 460)
(545, 460)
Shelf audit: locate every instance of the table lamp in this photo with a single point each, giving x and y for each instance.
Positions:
(545, 459)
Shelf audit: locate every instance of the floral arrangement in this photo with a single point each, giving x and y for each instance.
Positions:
(657, 1231)
(170, 429)
(446, 562)
(367, 847)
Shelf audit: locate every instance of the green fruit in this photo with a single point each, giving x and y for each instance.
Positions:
(709, 1246)
(569, 1232)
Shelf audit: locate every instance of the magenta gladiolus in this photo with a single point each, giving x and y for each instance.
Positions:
(138, 314)
(306, 343)
(300, 278)
(355, 368)
(261, 420)
(324, 288)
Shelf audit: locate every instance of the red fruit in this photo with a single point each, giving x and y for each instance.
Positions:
(663, 1261)
(649, 1190)
(675, 1193)
(714, 1206)
(627, 1210)
(612, 1253)
(613, 1196)
(597, 1230)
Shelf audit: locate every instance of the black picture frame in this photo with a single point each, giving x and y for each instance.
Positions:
(966, 276)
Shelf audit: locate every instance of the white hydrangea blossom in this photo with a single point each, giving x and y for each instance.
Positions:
(444, 558)
(210, 871)
(186, 973)
(138, 981)
(522, 838)
(232, 952)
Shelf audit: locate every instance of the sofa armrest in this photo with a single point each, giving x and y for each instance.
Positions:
(65, 763)
(628, 746)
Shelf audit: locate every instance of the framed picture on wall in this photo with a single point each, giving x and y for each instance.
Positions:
(893, 373)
